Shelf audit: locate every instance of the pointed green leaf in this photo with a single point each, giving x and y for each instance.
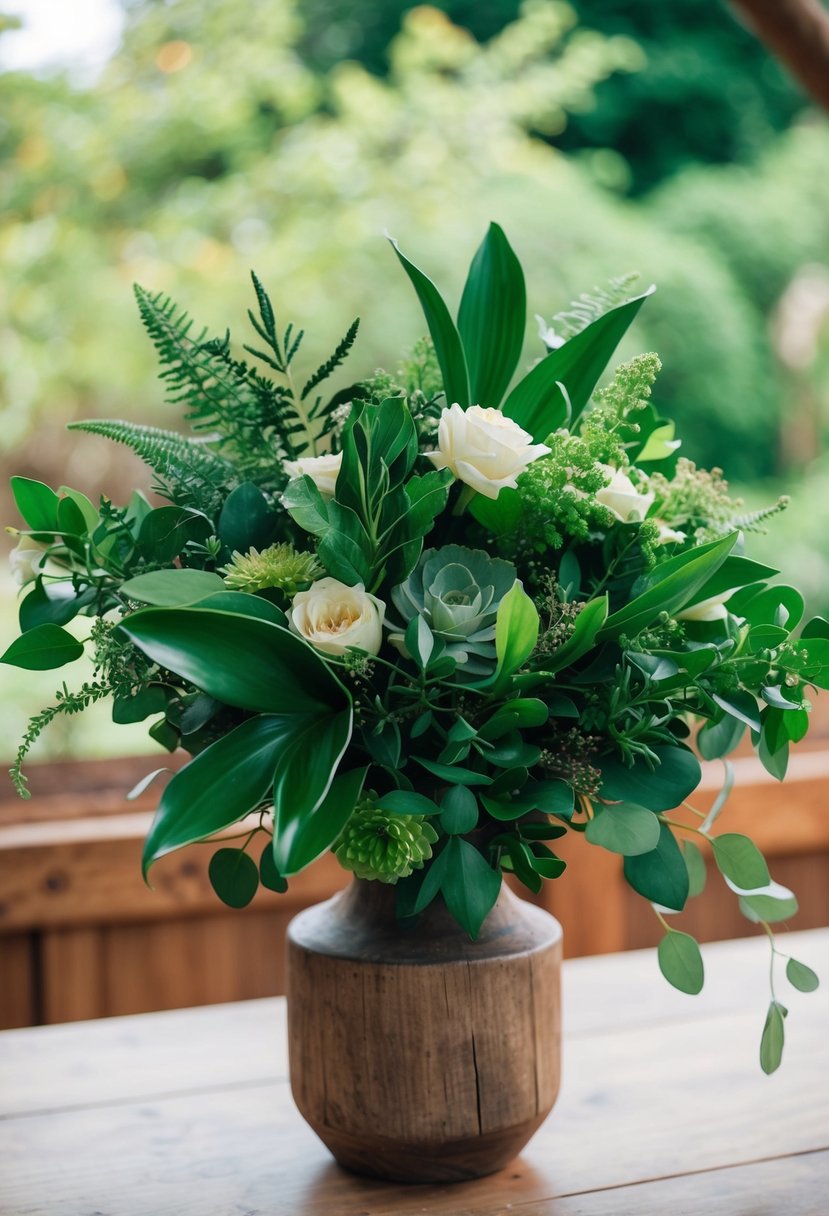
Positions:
(172, 588)
(771, 1043)
(301, 834)
(37, 503)
(469, 885)
(801, 977)
(492, 318)
(42, 648)
(537, 402)
(445, 336)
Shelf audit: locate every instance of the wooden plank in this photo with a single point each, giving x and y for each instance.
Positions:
(88, 871)
(660, 1103)
(73, 978)
(19, 1003)
(796, 1185)
(132, 1058)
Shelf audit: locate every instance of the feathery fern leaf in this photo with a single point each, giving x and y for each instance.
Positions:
(188, 472)
(333, 361)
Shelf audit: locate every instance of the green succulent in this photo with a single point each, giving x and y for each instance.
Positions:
(280, 566)
(457, 591)
(382, 845)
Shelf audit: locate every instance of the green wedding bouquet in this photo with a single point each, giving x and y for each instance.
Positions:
(432, 621)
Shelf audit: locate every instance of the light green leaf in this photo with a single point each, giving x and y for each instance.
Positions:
(680, 961)
(172, 588)
(695, 865)
(492, 318)
(42, 648)
(739, 860)
(801, 977)
(445, 336)
(771, 1043)
(771, 903)
(516, 633)
(624, 828)
(537, 402)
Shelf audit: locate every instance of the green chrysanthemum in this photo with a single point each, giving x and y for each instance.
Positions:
(280, 566)
(380, 845)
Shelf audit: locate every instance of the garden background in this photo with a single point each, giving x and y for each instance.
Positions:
(606, 137)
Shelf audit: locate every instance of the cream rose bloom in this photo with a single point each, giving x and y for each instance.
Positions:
(323, 471)
(25, 560)
(333, 617)
(621, 496)
(483, 448)
(712, 609)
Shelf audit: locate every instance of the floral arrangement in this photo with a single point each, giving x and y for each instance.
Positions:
(434, 621)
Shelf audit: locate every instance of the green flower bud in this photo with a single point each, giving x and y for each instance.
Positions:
(381, 845)
(280, 566)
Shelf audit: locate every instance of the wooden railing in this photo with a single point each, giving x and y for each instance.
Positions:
(81, 936)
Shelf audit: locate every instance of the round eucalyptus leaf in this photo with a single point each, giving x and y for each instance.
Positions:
(624, 828)
(739, 860)
(800, 976)
(771, 1043)
(233, 876)
(695, 865)
(680, 961)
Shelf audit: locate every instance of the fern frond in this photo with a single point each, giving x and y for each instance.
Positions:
(752, 520)
(325, 369)
(66, 702)
(586, 309)
(187, 471)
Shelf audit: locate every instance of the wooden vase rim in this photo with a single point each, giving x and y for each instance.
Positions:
(360, 924)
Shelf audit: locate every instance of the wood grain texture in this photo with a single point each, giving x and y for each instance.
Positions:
(398, 1038)
(189, 1113)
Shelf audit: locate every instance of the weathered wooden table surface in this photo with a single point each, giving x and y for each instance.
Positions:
(663, 1109)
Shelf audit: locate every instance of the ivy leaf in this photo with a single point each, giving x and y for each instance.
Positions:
(680, 961)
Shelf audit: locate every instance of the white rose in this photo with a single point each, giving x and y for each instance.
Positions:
(621, 496)
(667, 534)
(712, 609)
(332, 617)
(25, 560)
(483, 448)
(323, 471)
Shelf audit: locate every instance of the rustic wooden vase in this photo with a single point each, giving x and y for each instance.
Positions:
(417, 1054)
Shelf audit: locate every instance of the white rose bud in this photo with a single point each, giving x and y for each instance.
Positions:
(484, 448)
(25, 560)
(323, 471)
(712, 609)
(333, 617)
(622, 498)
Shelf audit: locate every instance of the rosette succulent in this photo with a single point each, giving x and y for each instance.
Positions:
(457, 591)
(384, 846)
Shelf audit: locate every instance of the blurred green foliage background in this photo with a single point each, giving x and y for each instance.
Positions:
(605, 137)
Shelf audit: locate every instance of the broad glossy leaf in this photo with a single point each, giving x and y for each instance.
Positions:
(244, 604)
(247, 520)
(670, 586)
(739, 860)
(233, 876)
(306, 506)
(677, 775)
(741, 705)
(240, 661)
(147, 701)
(501, 515)
(166, 530)
(772, 903)
(445, 336)
(538, 404)
(525, 712)
(86, 508)
(661, 875)
(492, 318)
(220, 786)
(407, 802)
(624, 828)
(817, 627)
(303, 833)
(680, 961)
(734, 572)
(43, 648)
(717, 739)
(451, 774)
(37, 503)
(469, 885)
(459, 811)
(778, 605)
(52, 603)
(172, 588)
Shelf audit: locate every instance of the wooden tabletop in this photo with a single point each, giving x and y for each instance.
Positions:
(663, 1109)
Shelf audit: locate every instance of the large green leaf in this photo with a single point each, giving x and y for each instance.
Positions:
(172, 588)
(239, 660)
(537, 402)
(300, 838)
(734, 572)
(739, 860)
(680, 961)
(660, 789)
(37, 503)
(42, 648)
(623, 827)
(492, 317)
(469, 885)
(445, 336)
(247, 521)
(661, 875)
(670, 587)
(220, 786)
